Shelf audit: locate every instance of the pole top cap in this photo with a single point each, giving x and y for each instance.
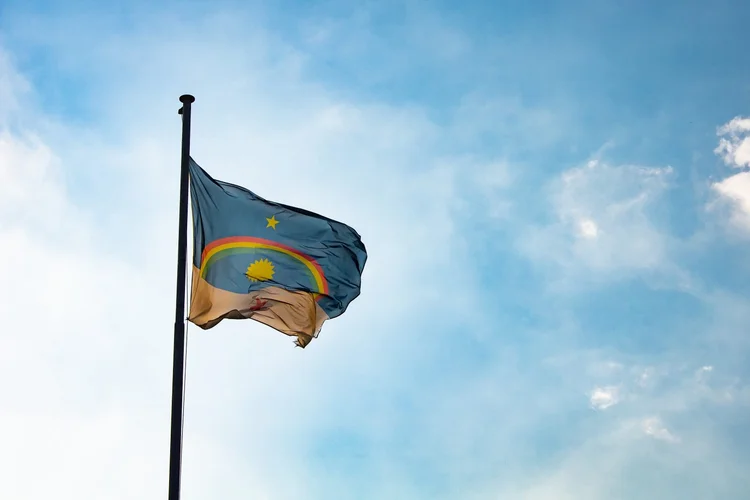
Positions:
(187, 98)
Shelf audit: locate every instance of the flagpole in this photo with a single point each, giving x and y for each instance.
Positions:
(178, 361)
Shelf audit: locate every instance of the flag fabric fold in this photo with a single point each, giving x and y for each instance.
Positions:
(282, 266)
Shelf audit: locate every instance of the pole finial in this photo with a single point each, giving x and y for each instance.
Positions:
(187, 98)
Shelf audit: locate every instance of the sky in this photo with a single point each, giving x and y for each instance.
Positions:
(555, 200)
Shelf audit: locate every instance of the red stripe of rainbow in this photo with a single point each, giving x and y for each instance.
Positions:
(220, 245)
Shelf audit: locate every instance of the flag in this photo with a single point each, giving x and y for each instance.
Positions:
(282, 266)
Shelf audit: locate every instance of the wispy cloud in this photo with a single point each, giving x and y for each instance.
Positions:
(602, 226)
(654, 427)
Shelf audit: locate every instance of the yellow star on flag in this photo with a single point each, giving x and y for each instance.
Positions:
(272, 222)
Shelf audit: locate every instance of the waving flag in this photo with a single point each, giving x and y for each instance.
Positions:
(285, 267)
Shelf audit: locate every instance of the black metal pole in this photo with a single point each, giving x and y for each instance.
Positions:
(178, 362)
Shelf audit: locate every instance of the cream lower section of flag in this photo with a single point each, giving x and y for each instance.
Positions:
(293, 313)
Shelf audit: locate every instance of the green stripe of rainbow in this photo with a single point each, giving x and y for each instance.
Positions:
(233, 243)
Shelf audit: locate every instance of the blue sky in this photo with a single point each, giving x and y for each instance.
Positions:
(555, 198)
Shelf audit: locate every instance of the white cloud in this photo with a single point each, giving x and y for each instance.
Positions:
(734, 145)
(704, 370)
(64, 349)
(734, 149)
(736, 190)
(587, 228)
(30, 191)
(93, 456)
(602, 398)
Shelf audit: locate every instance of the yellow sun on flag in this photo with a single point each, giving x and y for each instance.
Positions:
(260, 270)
